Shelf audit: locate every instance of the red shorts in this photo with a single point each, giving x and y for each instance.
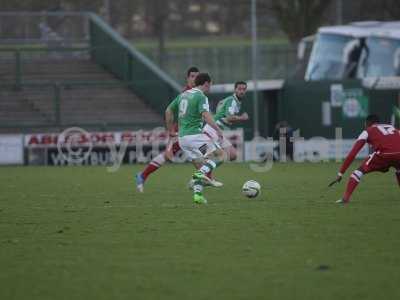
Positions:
(380, 162)
(175, 148)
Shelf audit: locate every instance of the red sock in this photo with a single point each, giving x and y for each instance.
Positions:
(398, 176)
(149, 169)
(154, 165)
(354, 180)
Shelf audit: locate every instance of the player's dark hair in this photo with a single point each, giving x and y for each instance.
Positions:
(192, 70)
(202, 78)
(240, 83)
(372, 119)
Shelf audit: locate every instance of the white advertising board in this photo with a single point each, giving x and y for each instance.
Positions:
(312, 150)
(11, 149)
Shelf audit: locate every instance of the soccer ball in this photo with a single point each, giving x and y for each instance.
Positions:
(251, 189)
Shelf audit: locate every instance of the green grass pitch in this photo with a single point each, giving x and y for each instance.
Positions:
(84, 233)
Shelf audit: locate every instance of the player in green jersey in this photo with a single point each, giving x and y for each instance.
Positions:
(172, 148)
(193, 110)
(228, 114)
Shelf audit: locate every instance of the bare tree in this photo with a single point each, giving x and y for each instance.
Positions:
(392, 8)
(299, 18)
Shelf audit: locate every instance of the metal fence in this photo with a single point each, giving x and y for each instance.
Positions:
(225, 65)
(123, 60)
(49, 106)
(228, 64)
(19, 64)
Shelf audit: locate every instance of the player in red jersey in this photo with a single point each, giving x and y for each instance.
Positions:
(385, 142)
(173, 147)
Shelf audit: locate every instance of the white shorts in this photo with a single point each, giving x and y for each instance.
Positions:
(208, 130)
(197, 146)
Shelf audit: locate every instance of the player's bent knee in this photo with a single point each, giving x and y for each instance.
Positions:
(357, 175)
(219, 153)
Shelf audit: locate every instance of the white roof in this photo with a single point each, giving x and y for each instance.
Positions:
(388, 29)
(364, 29)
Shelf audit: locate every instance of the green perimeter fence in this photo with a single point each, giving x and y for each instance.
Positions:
(319, 108)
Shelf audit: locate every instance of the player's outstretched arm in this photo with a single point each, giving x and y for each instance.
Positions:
(172, 109)
(352, 155)
(169, 121)
(349, 159)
